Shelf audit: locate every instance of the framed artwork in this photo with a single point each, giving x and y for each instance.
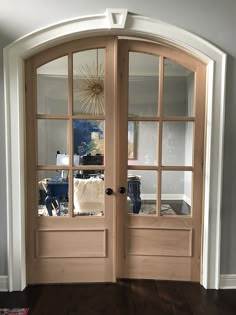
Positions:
(88, 137)
(132, 140)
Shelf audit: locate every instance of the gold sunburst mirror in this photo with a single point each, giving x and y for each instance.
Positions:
(89, 85)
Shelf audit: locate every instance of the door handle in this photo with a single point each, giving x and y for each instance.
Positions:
(122, 190)
(109, 191)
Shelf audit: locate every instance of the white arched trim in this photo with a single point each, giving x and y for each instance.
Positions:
(113, 21)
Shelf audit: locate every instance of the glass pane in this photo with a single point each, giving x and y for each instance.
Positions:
(52, 138)
(52, 87)
(89, 141)
(142, 142)
(178, 97)
(53, 193)
(143, 84)
(88, 82)
(177, 143)
(176, 192)
(142, 192)
(89, 193)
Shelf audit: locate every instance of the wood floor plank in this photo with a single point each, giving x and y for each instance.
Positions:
(131, 297)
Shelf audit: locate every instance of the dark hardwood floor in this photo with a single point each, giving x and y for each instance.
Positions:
(133, 297)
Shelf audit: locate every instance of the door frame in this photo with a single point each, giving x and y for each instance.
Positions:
(112, 22)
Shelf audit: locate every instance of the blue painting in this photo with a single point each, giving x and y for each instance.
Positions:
(88, 137)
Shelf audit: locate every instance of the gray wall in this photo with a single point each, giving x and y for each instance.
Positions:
(213, 20)
(3, 220)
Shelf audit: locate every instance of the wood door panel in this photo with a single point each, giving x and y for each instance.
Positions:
(67, 243)
(157, 267)
(69, 270)
(170, 222)
(80, 223)
(159, 242)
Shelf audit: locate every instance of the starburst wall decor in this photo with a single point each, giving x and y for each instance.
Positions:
(91, 88)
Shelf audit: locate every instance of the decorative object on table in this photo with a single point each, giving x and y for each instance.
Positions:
(13, 311)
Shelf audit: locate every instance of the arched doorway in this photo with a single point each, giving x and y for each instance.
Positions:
(136, 26)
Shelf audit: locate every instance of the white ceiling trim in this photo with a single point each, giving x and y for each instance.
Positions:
(122, 24)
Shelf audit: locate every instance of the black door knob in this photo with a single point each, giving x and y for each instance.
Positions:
(122, 190)
(109, 191)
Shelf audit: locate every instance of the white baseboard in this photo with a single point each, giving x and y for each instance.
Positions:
(167, 197)
(3, 283)
(172, 197)
(228, 281)
(187, 200)
(163, 196)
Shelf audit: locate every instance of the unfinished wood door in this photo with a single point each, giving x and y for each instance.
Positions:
(115, 145)
(70, 101)
(161, 116)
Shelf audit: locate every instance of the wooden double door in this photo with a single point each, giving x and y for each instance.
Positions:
(115, 151)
